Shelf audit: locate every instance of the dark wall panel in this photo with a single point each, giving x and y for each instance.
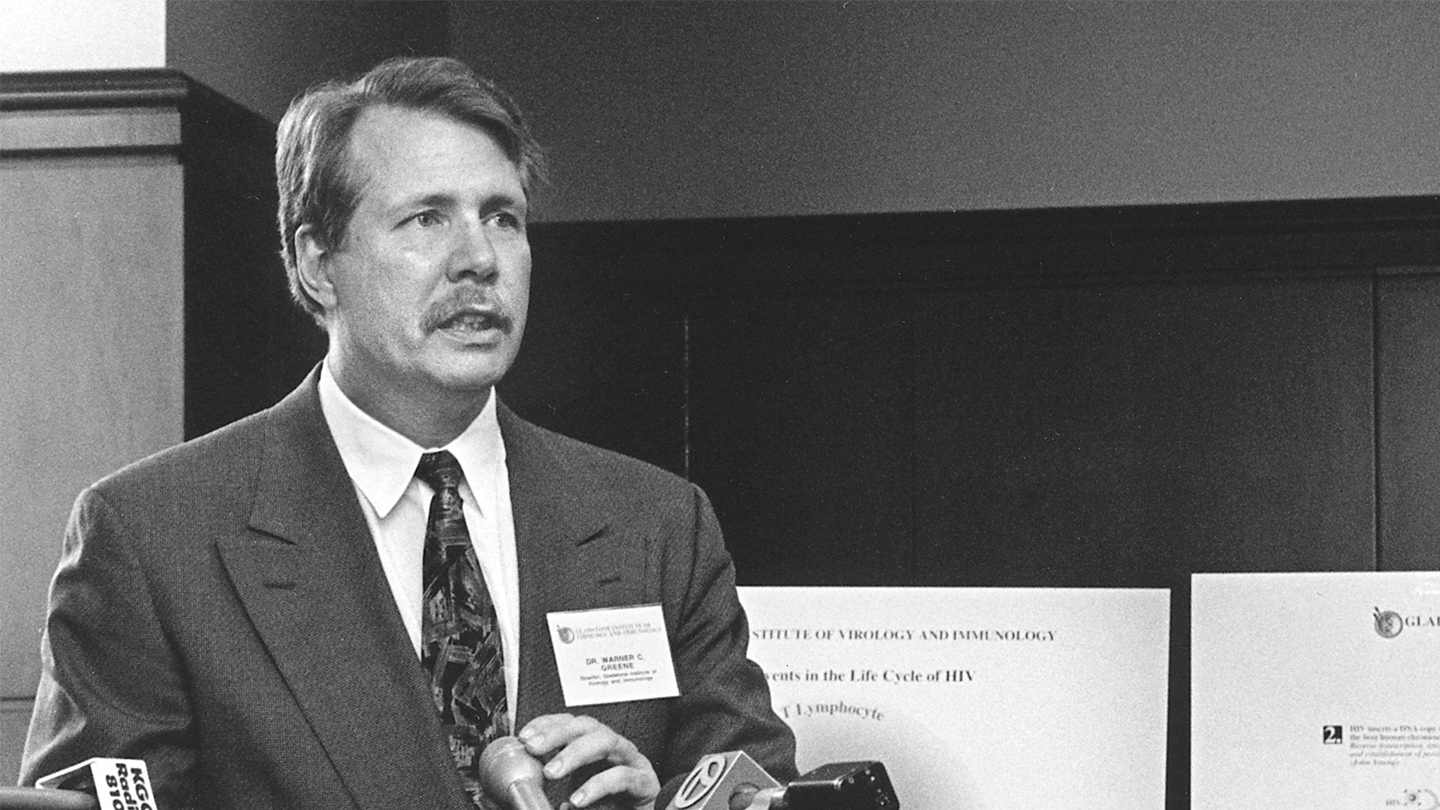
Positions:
(603, 357)
(1409, 435)
(800, 431)
(246, 343)
(1128, 434)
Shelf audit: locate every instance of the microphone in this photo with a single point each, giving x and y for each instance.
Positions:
(511, 776)
(837, 786)
(733, 781)
(28, 798)
(96, 781)
(727, 781)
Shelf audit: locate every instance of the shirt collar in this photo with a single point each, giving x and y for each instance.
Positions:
(382, 462)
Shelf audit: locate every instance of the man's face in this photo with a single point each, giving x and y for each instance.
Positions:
(430, 284)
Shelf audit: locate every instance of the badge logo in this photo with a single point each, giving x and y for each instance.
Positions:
(567, 635)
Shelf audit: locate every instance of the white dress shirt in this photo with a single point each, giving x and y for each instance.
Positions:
(381, 464)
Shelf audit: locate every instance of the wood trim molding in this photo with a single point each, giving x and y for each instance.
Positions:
(104, 131)
(91, 112)
(72, 90)
(157, 111)
(740, 258)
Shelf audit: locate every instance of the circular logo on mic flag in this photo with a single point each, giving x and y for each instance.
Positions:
(1388, 623)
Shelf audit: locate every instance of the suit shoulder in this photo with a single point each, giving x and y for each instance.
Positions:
(608, 463)
(215, 456)
(596, 469)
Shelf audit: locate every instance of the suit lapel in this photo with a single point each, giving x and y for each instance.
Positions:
(564, 549)
(312, 583)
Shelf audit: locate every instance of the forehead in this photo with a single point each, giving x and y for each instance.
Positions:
(397, 151)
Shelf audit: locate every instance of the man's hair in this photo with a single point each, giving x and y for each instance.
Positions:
(316, 181)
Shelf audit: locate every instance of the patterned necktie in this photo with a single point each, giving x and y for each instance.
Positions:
(460, 640)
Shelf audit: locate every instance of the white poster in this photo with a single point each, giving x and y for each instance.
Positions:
(1315, 690)
(975, 698)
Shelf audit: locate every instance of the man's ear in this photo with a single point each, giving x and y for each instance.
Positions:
(311, 256)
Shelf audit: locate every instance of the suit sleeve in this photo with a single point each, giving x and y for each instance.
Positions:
(111, 684)
(724, 702)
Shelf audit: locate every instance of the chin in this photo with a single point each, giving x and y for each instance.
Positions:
(476, 378)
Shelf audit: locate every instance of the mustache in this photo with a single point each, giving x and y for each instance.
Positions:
(467, 301)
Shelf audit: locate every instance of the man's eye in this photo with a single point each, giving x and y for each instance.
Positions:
(508, 220)
(426, 219)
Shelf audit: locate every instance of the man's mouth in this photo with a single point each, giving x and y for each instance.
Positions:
(473, 321)
(467, 318)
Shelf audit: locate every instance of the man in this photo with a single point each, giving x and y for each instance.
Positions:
(224, 610)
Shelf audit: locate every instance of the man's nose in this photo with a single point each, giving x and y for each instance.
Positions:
(473, 254)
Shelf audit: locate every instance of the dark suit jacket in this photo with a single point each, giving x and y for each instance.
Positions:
(220, 612)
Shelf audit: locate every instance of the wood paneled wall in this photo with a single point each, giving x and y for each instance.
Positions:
(144, 303)
(90, 346)
(1073, 397)
(1084, 398)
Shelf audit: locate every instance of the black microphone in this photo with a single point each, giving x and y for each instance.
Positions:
(733, 781)
(509, 775)
(837, 786)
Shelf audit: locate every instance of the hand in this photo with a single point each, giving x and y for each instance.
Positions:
(580, 741)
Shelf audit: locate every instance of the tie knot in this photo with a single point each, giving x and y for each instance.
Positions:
(440, 470)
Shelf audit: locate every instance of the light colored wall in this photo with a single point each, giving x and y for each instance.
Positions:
(40, 35)
(91, 344)
(91, 338)
(735, 109)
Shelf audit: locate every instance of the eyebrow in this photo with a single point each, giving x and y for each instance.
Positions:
(492, 202)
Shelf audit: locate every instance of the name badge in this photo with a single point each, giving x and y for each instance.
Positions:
(612, 655)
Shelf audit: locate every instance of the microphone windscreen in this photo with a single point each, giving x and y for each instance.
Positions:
(510, 775)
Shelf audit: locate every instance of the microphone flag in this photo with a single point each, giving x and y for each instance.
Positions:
(114, 782)
(717, 778)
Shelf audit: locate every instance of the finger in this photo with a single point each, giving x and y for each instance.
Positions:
(598, 743)
(633, 786)
(548, 732)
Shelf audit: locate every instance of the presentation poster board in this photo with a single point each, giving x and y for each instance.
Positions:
(975, 698)
(1315, 690)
